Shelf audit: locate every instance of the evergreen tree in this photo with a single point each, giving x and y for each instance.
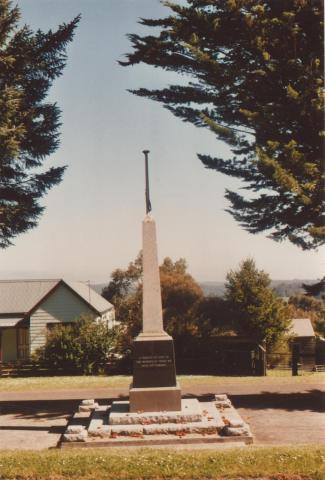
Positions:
(29, 125)
(309, 306)
(255, 309)
(316, 289)
(213, 317)
(255, 72)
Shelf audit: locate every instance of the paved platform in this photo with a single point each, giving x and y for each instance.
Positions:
(197, 422)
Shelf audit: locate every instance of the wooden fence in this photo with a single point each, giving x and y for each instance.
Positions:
(38, 370)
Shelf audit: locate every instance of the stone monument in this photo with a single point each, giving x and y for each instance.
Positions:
(154, 386)
(155, 413)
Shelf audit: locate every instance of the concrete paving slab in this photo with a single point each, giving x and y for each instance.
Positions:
(31, 433)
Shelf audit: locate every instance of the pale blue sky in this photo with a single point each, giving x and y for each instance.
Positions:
(92, 222)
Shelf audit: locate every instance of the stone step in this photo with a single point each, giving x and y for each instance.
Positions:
(98, 420)
(88, 405)
(120, 415)
(217, 424)
(204, 427)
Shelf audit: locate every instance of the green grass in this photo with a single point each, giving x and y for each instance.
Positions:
(120, 381)
(106, 464)
(62, 383)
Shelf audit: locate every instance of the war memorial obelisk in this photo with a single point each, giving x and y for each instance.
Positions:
(155, 414)
(154, 386)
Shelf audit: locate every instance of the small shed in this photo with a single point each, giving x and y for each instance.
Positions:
(304, 339)
(29, 308)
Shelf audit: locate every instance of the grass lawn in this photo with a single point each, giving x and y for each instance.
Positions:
(120, 381)
(108, 464)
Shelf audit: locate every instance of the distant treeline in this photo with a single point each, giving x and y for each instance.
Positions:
(283, 288)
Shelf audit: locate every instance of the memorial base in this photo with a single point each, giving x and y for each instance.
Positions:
(155, 399)
(210, 423)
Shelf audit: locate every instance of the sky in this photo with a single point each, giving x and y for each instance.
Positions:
(92, 221)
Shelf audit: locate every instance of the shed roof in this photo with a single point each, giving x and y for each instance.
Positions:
(10, 322)
(22, 296)
(302, 327)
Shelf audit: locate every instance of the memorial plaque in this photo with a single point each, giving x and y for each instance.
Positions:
(154, 363)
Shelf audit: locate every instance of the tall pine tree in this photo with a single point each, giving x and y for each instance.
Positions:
(255, 71)
(255, 309)
(316, 289)
(29, 125)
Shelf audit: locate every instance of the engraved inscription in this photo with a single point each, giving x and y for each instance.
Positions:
(153, 364)
(154, 361)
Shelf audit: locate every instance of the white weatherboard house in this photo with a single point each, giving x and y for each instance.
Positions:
(28, 309)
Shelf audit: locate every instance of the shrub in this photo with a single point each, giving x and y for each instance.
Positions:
(84, 345)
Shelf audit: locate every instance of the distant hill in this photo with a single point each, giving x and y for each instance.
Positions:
(284, 288)
(211, 289)
(287, 288)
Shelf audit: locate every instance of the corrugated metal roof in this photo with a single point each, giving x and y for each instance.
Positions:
(21, 296)
(90, 295)
(302, 327)
(9, 322)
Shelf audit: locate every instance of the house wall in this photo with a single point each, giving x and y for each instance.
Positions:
(320, 351)
(8, 345)
(307, 350)
(60, 306)
(109, 318)
(307, 345)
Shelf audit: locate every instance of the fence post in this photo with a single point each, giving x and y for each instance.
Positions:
(261, 360)
(295, 358)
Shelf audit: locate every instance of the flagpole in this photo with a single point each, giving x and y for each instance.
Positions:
(148, 203)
